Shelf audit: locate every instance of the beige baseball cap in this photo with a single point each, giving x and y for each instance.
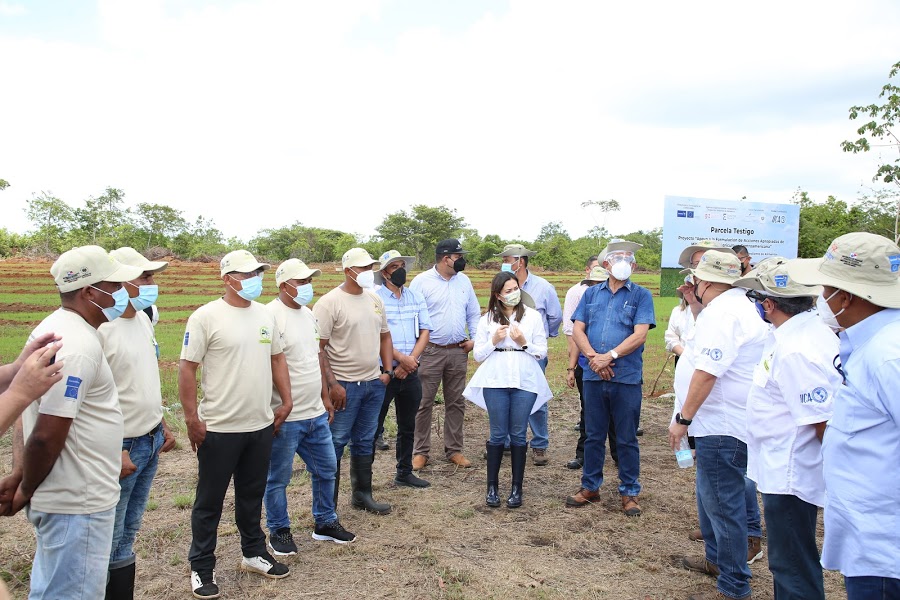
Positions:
(129, 256)
(865, 264)
(240, 261)
(685, 258)
(516, 250)
(357, 257)
(772, 278)
(596, 274)
(619, 245)
(389, 257)
(717, 266)
(294, 268)
(86, 265)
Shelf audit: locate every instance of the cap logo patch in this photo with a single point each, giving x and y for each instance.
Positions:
(850, 260)
(895, 262)
(71, 276)
(780, 280)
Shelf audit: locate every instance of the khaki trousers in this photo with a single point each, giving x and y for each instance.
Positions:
(448, 366)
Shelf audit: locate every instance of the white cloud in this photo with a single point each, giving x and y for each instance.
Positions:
(12, 9)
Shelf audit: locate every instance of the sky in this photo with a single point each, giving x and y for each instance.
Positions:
(259, 114)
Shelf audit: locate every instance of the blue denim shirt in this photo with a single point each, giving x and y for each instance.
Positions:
(610, 318)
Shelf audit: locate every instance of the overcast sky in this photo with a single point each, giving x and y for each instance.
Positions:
(335, 113)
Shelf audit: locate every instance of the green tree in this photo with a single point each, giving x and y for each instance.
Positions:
(417, 232)
(159, 220)
(100, 217)
(52, 218)
(554, 249)
(3, 184)
(821, 222)
(202, 239)
(650, 256)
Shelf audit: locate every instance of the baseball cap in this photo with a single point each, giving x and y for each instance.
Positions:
(129, 256)
(294, 268)
(596, 274)
(240, 261)
(684, 259)
(516, 250)
(717, 266)
(865, 264)
(357, 257)
(389, 257)
(451, 246)
(772, 278)
(619, 245)
(86, 265)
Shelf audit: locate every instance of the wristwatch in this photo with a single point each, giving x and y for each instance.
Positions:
(681, 420)
(614, 354)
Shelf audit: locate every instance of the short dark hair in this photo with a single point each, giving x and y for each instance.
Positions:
(740, 248)
(590, 260)
(793, 306)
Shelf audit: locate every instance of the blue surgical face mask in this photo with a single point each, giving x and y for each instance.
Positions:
(251, 288)
(304, 294)
(120, 299)
(147, 295)
(506, 268)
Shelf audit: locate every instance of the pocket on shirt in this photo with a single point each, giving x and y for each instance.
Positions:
(627, 314)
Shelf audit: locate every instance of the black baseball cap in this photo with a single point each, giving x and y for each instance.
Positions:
(450, 246)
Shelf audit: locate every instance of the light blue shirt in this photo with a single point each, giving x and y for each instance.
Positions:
(861, 453)
(407, 316)
(452, 305)
(546, 302)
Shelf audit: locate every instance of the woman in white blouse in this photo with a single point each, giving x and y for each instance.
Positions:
(680, 329)
(509, 384)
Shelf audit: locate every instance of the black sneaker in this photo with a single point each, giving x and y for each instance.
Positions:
(410, 480)
(333, 532)
(265, 565)
(282, 542)
(380, 444)
(203, 584)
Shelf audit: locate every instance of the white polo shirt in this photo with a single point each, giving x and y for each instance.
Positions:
(728, 342)
(861, 453)
(793, 388)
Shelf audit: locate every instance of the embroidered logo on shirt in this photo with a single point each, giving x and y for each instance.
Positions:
(713, 353)
(72, 385)
(818, 395)
(187, 335)
(265, 336)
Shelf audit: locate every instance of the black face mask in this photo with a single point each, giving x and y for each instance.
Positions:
(459, 264)
(398, 277)
(700, 296)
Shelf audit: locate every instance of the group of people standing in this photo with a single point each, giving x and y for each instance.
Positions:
(754, 389)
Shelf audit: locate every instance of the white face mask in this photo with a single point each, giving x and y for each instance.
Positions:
(825, 312)
(365, 279)
(621, 270)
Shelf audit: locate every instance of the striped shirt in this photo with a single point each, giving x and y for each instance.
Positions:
(406, 317)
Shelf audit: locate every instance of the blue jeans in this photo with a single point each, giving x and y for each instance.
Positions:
(72, 555)
(621, 402)
(356, 424)
(793, 554)
(722, 508)
(508, 410)
(754, 521)
(144, 453)
(539, 421)
(872, 588)
(311, 440)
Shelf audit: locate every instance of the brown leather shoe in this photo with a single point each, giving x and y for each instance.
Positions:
(700, 565)
(582, 497)
(460, 460)
(419, 461)
(630, 506)
(539, 457)
(754, 549)
(696, 536)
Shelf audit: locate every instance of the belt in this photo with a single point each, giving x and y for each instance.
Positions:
(456, 345)
(153, 431)
(509, 350)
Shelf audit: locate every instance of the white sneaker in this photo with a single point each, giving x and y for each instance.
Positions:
(204, 586)
(265, 565)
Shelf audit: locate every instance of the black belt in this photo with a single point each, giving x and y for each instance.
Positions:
(509, 350)
(153, 431)
(456, 345)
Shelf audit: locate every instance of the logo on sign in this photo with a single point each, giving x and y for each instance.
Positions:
(682, 213)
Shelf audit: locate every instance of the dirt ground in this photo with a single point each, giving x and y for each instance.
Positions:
(442, 542)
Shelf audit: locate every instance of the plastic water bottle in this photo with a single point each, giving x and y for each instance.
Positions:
(683, 455)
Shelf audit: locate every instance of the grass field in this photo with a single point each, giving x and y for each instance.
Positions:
(441, 542)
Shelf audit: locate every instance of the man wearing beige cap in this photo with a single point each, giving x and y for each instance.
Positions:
(712, 388)
(305, 432)
(236, 341)
(861, 291)
(790, 401)
(410, 324)
(515, 260)
(69, 467)
(354, 333)
(133, 354)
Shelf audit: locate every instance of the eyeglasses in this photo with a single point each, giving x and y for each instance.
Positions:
(619, 257)
(756, 296)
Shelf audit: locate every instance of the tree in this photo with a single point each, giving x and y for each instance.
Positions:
(554, 248)
(822, 222)
(881, 128)
(51, 217)
(159, 219)
(101, 216)
(417, 232)
(3, 184)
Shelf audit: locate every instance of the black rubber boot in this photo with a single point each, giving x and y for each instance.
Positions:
(337, 482)
(361, 483)
(519, 454)
(494, 458)
(120, 585)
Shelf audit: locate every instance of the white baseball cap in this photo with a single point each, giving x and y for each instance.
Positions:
(86, 265)
(294, 268)
(240, 261)
(357, 257)
(129, 256)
